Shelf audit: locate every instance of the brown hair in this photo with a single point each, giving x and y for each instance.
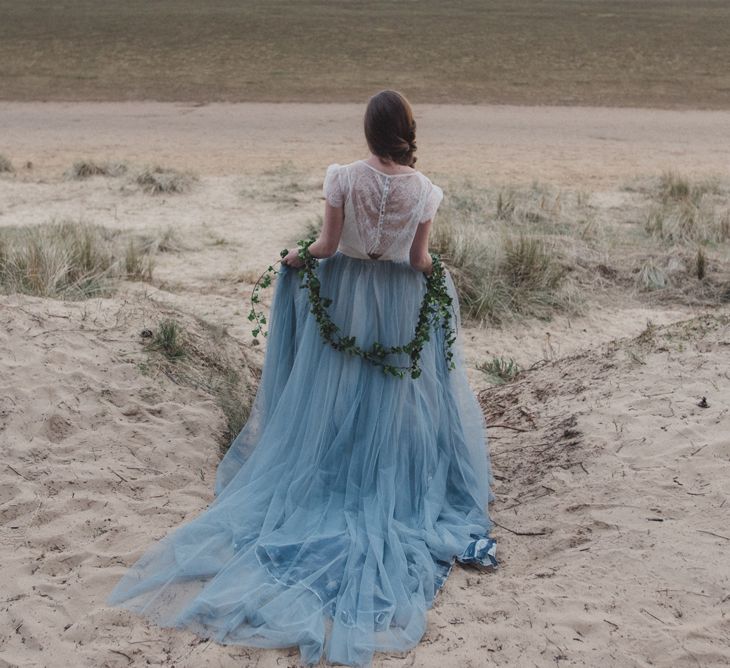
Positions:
(389, 127)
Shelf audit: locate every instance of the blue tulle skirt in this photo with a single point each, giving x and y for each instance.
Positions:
(344, 501)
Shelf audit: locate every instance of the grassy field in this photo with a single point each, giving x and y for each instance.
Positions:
(656, 53)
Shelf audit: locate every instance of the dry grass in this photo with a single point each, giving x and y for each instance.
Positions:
(499, 370)
(138, 263)
(163, 241)
(688, 211)
(538, 250)
(684, 276)
(683, 221)
(700, 265)
(502, 253)
(71, 259)
(675, 187)
(161, 180)
(652, 276)
(6, 167)
(313, 226)
(83, 169)
(684, 255)
(168, 339)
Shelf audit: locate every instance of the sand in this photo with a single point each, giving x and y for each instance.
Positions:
(589, 146)
(612, 480)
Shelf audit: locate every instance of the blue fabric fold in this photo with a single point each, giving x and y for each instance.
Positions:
(345, 500)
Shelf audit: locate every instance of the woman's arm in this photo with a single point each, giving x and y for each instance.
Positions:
(419, 256)
(329, 236)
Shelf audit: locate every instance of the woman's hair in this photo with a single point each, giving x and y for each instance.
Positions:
(390, 130)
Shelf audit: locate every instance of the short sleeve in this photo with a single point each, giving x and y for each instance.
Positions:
(332, 186)
(433, 200)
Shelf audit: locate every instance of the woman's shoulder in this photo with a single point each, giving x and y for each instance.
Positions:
(347, 168)
(362, 166)
(430, 187)
(339, 166)
(336, 169)
(341, 172)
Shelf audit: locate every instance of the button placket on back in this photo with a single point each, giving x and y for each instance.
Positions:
(381, 215)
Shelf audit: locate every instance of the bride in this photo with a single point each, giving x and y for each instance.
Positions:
(343, 503)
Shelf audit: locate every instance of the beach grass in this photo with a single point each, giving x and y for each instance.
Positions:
(83, 169)
(6, 166)
(74, 259)
(157, 180)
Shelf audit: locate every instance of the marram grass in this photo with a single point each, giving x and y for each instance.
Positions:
(72, 259)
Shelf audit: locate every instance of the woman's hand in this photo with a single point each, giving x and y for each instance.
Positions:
(292, 259)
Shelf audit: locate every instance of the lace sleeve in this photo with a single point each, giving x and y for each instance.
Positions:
(433, 200)
(332, 187)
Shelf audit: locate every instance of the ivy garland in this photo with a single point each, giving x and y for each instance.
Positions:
(437, 305)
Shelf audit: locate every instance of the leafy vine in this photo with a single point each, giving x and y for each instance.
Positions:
(436, 306)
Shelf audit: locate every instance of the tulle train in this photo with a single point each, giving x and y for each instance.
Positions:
(342, 504)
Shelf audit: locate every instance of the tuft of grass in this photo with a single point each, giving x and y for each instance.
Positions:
(5, 165)
(700, 264)
(676, 188)
(160, 180)
(687, 211)
(314, 226)
(499, 274)
(66, 259)
(168, 339)
(163, 241)
(505, 206)
(231, 392)
(647, 336)
(83, 169)
(69, 259)
(685, 221)
(225, 377)
(651, 276)
(138, 264)
(529, 265)
(499, 370)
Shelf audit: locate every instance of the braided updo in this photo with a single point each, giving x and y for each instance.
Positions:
(390, 129)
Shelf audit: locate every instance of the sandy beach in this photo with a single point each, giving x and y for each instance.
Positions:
(610, 450)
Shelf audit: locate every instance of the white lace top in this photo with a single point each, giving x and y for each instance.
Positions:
(382, 211)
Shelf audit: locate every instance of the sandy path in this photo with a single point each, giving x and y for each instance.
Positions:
(566, 145)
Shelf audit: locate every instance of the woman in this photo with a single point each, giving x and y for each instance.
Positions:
(343, 503)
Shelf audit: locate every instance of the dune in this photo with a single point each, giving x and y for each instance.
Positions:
(610, 448)
(612, 476)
